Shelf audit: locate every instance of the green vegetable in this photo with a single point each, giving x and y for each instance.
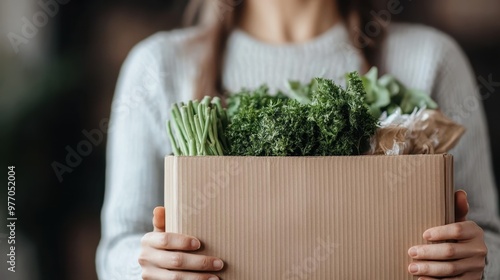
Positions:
(256, 99)
(319, 119)
(342, 117)
(196, 128)
(384, 94)
(273, 128)
(300, 92)
(336, 121)
(387, 94)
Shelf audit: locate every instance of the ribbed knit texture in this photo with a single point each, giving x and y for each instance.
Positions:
(162, 70)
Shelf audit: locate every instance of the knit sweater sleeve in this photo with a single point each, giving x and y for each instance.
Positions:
(134, 168)
(457, 93)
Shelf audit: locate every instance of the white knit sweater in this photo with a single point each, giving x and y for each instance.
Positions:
(161, 70)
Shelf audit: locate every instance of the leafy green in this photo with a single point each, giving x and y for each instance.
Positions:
(256, 99)
(342, 116)
(319, 118)
(336, 121)
(300, 92)
(386, 94)
(277, 128)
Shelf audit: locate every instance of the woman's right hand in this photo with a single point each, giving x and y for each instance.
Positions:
(162, 255)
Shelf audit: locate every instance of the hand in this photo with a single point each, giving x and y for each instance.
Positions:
(162, 257)
(464, 259)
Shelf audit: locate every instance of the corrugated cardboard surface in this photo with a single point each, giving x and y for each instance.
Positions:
(309, 217)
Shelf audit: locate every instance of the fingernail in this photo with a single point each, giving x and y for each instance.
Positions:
(413, 268)
(213, 278)
(461, 190)
(412, 252)
(195, 244)
(218, 264)
(427, 235)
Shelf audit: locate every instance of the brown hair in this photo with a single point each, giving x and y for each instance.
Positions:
(219, 18)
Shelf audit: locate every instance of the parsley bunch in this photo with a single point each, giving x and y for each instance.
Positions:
(332, 121)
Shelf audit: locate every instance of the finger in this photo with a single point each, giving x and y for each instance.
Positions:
(171, 241)
(154, 273)
(185, 261)
(456, 231)
(461, 206)
(439, 269)
(465, 276)
(159, 219)
(442, 251)
(458, 277)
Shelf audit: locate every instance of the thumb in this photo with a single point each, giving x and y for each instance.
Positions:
(461, 206)
(159, 219)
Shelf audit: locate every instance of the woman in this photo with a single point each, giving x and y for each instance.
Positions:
(247, 43)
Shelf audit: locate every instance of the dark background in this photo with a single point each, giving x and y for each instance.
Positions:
(62, 83)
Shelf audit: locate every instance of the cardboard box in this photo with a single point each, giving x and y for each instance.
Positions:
(316, 218)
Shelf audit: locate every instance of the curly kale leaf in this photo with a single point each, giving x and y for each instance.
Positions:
(278, 129)
(336, 121)
(255, 99)
(342, 116)
(387, 93)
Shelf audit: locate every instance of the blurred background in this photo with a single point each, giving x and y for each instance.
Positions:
(60, 82)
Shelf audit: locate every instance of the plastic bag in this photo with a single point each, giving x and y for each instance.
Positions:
(421, 132)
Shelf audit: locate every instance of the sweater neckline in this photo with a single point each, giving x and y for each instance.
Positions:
(335, 35)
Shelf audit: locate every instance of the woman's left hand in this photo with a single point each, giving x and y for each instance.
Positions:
(464, 259)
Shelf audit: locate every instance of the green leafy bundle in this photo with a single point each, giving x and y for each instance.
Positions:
(320, 118)
(277, 127)
(342, 116)
(386, 94)
(198, 128)
(256, 99)
(336, 121)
